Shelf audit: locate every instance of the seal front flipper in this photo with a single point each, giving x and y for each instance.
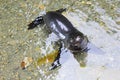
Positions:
(55, 65)
(37, 21)
(56, 62)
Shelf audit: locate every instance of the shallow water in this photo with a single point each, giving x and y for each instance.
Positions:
(98, 19)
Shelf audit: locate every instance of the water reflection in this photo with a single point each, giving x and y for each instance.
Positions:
(81, 58)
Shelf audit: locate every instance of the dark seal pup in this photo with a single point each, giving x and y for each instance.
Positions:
(69, 36)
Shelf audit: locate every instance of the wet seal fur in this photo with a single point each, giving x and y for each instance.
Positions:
(69, 36)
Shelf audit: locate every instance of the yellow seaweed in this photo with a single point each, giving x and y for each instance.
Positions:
(48, 58)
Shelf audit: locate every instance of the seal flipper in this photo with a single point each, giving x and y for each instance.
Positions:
(37, 21)
(56, 62)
